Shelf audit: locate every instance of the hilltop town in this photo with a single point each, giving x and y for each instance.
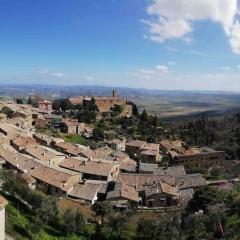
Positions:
(91, 151)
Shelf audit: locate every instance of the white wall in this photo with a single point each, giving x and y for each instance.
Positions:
(2, 224)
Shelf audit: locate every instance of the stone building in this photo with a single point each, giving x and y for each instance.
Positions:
(45, 105)
(70, 126)
(105, 104)
(148, 152)
(199, 158)
(40, 123)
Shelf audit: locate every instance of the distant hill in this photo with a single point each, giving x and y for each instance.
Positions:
(161, 102)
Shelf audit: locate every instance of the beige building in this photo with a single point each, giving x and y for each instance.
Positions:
(3, 117)
(117, 144)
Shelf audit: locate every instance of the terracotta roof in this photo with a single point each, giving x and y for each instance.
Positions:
(120, 156)
(69, 148)
(71, 122)
(136, 143)
(186, 195)
(103, 152)
(149, 153)
(173, 154)
(43, 137)
(123, 191)
(116, 141)
(40, 153)
(86, 191)
(166, 144)
(98, 168)
(151, 147)
(24, 141)
(175, 171)
(166, 188)
(140, 181)
(3, 202)
(147, 167)
(88, 153)
(11, 131)
(188, 152)
(53, 177)
(191, 181)
(129, 165)
(18, 161)
(161, 187)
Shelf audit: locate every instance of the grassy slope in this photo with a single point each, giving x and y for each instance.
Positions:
(18, 220)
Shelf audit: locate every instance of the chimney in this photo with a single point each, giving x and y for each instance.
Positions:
(114, 94)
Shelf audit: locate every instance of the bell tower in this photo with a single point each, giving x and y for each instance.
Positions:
(114, 94)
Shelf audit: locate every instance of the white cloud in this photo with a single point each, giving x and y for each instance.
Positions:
(42, 71)
(226, 68)
(46, 72)
(167, 29)
(162, 68)
(57, 74)
(153, 73)
(171, 63)
(88, 77)
(214, 75)
(171, 49)
(174, 19)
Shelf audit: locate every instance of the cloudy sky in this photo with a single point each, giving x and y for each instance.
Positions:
(158, 44)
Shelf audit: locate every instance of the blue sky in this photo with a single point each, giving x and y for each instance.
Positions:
(159, 44)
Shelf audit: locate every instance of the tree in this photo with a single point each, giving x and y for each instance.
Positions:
(117, 109)
(98, 134)
(146, 229)
(134, 108)
(19, 101)
(29, 100)
(73, 222)
(65, 105)
(144, 116)
(56, 105)
(36, 225)
(7, 111)
(202, 197)
(117, 222)
(155, 121)
(195, 228)
(69, 222)
(168, 226)
(48, 211)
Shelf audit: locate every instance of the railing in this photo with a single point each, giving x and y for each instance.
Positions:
(160, 209)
